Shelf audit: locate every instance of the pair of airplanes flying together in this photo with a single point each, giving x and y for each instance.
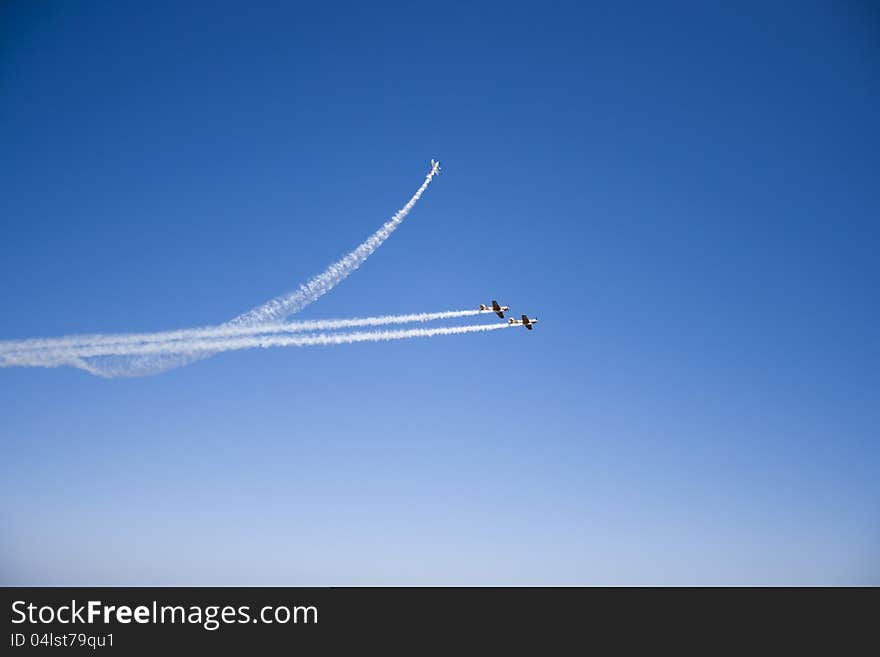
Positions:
(499, 310)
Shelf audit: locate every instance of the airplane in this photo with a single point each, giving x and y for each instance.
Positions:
(498, 310)
(525, 321)
(435, 166)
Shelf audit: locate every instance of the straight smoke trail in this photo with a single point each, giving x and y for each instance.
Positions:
(75, 355)
(274, 310)
(226, 331)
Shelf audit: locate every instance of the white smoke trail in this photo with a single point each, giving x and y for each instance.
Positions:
(276, 309)
(226, 330)
(74, 356)
(284, 306)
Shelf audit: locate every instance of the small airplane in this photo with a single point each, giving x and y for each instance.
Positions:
(525, 321)
(498, 310)
(435, 166)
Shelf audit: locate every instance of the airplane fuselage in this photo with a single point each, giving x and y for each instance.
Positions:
(525, 321)
(495, 308)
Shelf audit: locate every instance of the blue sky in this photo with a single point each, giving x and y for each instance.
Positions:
(686, 196)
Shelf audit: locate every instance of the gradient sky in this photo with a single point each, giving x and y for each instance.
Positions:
(686, 196)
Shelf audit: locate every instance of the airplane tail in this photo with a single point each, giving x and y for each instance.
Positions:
(483, 306)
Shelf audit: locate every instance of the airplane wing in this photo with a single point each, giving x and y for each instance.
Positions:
(529, 326)
(526, 322)
(497, 309)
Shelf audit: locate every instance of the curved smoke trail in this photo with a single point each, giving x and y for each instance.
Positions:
(317, 286)
(274, 310)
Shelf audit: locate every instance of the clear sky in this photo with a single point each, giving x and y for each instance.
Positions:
(686, 196)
